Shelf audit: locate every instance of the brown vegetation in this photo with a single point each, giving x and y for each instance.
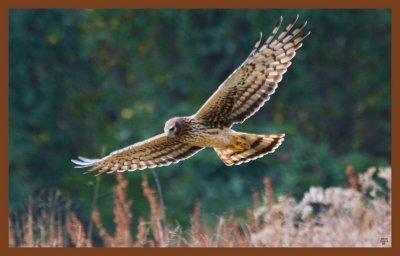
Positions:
(358, 215)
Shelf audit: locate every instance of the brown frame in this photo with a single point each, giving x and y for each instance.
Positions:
(6, 5)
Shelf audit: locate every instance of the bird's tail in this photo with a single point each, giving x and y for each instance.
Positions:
(246, 147)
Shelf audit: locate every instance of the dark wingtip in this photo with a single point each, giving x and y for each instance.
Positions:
(306, 35)
(279, 22)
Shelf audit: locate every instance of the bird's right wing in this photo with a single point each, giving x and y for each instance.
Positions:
(247, 89)
(156, 151)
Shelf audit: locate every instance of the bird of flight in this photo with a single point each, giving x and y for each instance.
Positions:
(242, 94)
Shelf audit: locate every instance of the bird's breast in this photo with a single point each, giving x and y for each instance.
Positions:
(214, 137)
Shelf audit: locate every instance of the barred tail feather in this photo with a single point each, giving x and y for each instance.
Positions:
(246, 147)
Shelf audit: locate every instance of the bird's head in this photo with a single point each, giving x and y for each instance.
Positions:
(173, 127)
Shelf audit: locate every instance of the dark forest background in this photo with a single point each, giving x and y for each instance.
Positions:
(87, 82)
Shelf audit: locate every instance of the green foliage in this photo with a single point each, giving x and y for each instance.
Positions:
(87, 82)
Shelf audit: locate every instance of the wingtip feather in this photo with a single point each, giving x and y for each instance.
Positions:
(83, 162)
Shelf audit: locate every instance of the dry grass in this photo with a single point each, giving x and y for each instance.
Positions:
(122, 218)
(353, 216)
(44, 224)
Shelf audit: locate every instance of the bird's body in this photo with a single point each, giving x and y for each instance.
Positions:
(197, 132)
(242, 94)
(214, 138)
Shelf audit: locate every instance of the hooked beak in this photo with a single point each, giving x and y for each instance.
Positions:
(170, 134)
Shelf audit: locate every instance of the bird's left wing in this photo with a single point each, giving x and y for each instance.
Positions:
(252, 83)
(156, 151)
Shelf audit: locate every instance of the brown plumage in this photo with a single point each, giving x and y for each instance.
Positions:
(243, 93)
(254, 146)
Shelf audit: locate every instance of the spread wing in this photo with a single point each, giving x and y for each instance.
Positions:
(156, 151)
(246, 90)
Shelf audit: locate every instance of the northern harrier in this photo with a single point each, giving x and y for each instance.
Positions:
(236, 99)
